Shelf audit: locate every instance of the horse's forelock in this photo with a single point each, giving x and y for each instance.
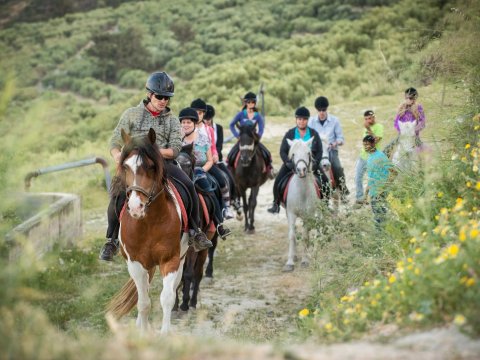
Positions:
(148, 153)
(297, 146)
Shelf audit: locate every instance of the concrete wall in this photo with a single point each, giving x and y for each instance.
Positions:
(60, 223)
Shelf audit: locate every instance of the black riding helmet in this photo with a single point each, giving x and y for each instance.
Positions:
(411, 92)
(188, 113)
(302, 112)
(160, 83)
(199, 104)
(210, 113)
(321, 103)
(250, 96)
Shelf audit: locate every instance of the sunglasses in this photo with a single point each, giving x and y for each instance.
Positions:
(161, 97)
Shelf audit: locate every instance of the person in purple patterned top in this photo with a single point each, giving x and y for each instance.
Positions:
(410, 111)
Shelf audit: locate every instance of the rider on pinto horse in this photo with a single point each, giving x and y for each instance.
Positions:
(250, 115)
(304, 133)
(152, 112)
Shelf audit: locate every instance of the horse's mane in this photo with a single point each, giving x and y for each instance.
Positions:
(151, 160)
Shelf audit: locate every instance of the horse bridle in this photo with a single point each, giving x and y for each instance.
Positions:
(149, 195)
(295, 163)
(253, 152)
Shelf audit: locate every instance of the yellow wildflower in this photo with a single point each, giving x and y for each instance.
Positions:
(378, 296)
(328, 327)
(418, 250)
(413, 240)
(463, 280)
(470, 282)
(303, 313)
(452, 250)
(410, 260)
(443, 211)
(424, 233)
(414, 316)
(459, 320)
(392, 279)
(374, 302)
(469, 184)
(475, 169)
(346, 321)
(473, 233)
(376, 282)
(363, 315)
(477, 185)
(462, 236)
(440, 194)
(417, 271)
(467, 146)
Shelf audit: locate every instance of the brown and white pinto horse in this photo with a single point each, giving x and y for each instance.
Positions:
(150, 231)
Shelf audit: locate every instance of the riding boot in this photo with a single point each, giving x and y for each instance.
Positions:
(109, 250)
(275, 208)
(227, 212)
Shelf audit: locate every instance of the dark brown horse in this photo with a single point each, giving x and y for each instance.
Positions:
(250, 173)
(195, 261)
(150, 231)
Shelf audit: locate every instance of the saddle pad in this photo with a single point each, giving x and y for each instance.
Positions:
(284, 189)
(181, 203)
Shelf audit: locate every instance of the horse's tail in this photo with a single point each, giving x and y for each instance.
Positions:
(126, 298)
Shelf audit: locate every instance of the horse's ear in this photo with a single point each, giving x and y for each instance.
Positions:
(125, 137)
(152, 136)
(290, 142)
(187, 148)
(309, 142)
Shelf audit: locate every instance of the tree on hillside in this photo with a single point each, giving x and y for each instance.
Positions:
(119, 51)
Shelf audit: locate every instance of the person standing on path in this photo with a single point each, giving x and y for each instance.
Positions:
(376, 130)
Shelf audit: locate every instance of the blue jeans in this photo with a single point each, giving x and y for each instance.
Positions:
(360, 170)
(379, 208)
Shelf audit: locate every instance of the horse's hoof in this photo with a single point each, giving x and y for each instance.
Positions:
(305, 264)
(288, 268)
(239, 216)
(250, 231)
(207, 280)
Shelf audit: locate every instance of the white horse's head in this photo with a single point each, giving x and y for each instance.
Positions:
(325, 162)
(407, 128)
(301, 156)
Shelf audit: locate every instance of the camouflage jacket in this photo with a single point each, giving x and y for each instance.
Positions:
(137, 121)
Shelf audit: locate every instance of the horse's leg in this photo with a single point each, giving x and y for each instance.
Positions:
(245, 207)
(171, 272)
(140, 277)
(252, 204)
(187, 277)
(292, 242)
(198, 275)
(211, 252)
(306, 244)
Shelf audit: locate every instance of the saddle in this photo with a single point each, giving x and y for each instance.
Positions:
(283, 188)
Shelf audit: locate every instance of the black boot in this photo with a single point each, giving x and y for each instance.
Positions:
(109, 250)
(275, 209)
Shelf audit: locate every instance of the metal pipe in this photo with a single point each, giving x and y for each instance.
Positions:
(70, 165)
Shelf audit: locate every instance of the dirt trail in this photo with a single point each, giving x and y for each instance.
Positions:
(250, 298)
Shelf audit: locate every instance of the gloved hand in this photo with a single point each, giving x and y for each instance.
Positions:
(315, 167)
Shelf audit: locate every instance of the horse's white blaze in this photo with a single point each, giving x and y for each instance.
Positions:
(135, 205)
(121, 242)
(167, 298)
(140, 276)
(247, 147)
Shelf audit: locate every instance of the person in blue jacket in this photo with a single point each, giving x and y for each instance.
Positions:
(250, 115)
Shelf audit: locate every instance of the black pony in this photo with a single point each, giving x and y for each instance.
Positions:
(250, 173)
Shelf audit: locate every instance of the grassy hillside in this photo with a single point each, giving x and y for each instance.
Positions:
(65, 80)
